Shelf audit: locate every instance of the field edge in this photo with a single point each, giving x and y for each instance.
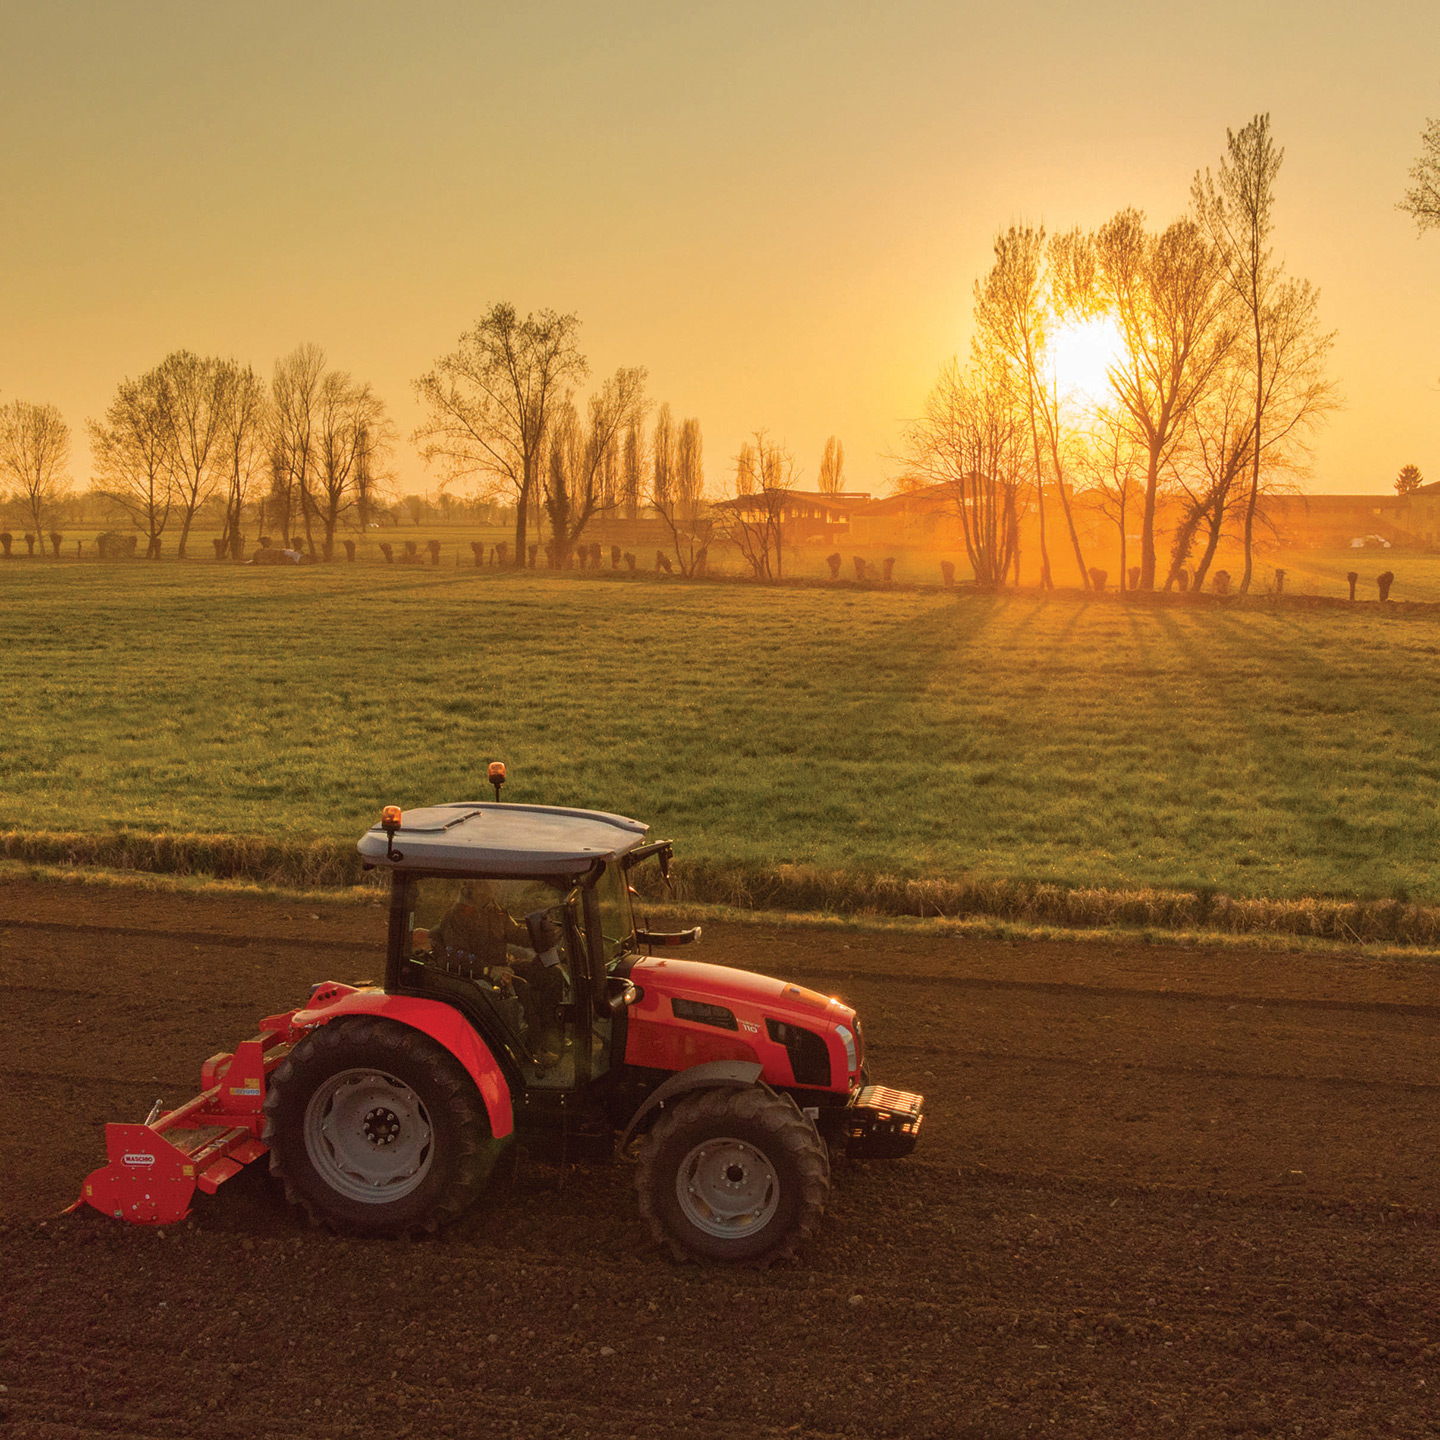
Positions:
(992, 909)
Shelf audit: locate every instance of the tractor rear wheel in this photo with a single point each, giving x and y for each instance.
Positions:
(735, 1174)
(376, 1129)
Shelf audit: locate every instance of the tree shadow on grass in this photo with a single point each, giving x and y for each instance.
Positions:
(1302, 726)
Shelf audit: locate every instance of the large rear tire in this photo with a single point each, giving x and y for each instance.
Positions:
(376, 1129)
(736, 1174)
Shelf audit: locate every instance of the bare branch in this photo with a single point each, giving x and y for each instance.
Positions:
(1422, 199)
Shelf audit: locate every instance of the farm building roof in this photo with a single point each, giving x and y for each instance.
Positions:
(840, 503)
(483, 837)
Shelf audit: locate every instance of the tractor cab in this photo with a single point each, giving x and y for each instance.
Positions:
(519, 917)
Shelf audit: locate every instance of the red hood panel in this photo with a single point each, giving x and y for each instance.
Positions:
(656, 1038)
(720, 985)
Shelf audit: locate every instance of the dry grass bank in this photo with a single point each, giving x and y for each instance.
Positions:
(331, 865)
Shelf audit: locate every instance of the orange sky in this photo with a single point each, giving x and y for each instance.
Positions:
(778, 209)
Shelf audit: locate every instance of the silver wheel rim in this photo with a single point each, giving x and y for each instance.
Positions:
(727, 1188)
(369, 1137)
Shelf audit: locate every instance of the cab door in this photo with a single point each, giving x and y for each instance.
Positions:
(471, 942)
(610, 930)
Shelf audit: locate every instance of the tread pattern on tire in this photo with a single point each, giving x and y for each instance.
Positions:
(785, 1133)
(390, 1046)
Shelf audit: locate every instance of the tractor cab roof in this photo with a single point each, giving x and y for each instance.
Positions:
(483, 837)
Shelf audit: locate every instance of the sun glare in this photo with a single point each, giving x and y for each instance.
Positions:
(1081, 355)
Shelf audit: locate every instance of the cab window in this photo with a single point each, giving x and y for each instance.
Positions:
(476, 932)
(617, 924)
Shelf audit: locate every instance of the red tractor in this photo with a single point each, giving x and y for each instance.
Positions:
(520, 1000)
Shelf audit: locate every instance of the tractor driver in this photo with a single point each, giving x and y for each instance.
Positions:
(478, 927)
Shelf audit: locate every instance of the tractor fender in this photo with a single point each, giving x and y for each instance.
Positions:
(442, 1023)
(712, 1075)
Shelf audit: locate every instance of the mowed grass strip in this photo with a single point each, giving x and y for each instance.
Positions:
(1056, 742)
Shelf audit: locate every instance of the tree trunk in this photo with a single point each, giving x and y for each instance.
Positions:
(307, 509)
(1065, 499)
(1184, 542)
(1045, 581)
(1074, 535)
(1147, 527)
(1124, 573)
(522, 510)
(1251, 501)
(1254, 497)
(1212, 543)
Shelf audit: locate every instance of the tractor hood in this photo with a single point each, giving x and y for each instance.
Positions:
(689, 1013)
(720, 985)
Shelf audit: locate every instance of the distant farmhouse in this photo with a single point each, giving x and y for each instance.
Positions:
(922, 517)
(806, 516)
(1358, 521)
(927, 518)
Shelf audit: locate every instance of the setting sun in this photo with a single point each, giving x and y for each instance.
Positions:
(1081, 356)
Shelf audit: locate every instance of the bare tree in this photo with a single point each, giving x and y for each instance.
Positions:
(561, 478)
(689, 465)
(489, 403)
(131, 451)
(753, 519)
(1010, 322)
(1297, 395)
(34, 454)
(610, 476)
(575, 471)
(1223, 437)
(241, 445)
(632, 466)
(691, 530)
(686, 516)
(193, 389)
(277, 503)
(1422, 200)
(373, 447)
(348, 418)
(662, 456)
(971, 441)
(745, 470)
(294, 412)
(1015, 314)
(832, 467)
(1114, 467)
(1236, 207)
(1173, 309)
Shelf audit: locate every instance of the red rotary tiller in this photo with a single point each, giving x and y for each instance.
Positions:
(155, 1166)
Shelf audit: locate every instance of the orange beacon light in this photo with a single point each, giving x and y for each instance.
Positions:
(390, 818)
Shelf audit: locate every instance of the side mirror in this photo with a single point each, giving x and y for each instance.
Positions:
(544, 936)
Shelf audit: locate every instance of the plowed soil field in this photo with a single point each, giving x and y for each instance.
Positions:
(1161, 1191)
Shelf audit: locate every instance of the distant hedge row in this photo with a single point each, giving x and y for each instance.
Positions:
(324, 864)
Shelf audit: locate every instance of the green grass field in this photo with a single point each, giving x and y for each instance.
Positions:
(1262, 753)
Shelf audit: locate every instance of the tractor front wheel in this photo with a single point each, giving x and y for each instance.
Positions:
(735, 1174)
(376, 1129)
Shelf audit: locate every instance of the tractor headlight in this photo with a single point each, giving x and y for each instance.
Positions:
(852, 1061)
